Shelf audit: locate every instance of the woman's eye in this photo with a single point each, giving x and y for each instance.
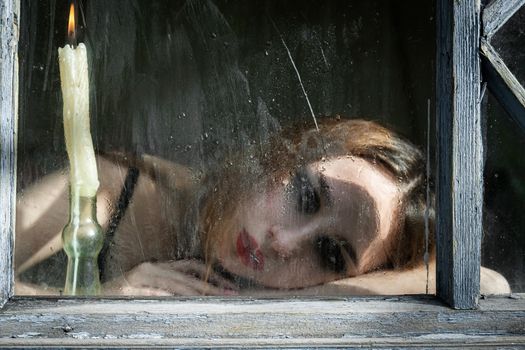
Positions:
(331, 254)
(307, 199)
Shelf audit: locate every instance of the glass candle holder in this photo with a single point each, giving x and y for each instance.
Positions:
(83, 239)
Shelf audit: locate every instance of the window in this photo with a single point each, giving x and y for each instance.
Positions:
(504, 119)
(209, 92)
(343, 322)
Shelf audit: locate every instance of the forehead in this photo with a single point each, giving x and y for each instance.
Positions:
(381, 187)
(360, 172)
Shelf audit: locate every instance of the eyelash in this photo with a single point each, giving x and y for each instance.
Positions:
(330, 253)
(307, 197)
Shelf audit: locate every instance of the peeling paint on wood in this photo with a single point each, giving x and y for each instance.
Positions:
(247, 323)
(503, 84)
(497, 13)
(8, 114)
(239, 322)
(459, 194)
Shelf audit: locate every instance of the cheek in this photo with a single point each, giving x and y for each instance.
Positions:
(276, 202)
(259, 203)
(220, 244)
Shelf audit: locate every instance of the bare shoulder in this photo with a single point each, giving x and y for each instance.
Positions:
(143, 232)
(492, 282)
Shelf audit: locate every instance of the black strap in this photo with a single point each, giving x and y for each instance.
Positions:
(123, 202)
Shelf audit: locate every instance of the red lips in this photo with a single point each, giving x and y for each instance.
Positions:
(249, 252)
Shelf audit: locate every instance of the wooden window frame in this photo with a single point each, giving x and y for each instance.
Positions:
(455, 317)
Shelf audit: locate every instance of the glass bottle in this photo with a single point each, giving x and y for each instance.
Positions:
(83, 239)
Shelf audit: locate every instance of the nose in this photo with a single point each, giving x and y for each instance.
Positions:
(287, 241)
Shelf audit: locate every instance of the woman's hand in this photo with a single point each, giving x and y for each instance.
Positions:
(181, 277)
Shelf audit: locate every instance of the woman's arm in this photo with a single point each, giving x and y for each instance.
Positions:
(42, 211)
(145, 232)
(390, 282)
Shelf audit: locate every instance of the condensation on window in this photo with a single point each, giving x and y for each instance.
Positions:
(261, 147)
(503, 247)
(508, 42)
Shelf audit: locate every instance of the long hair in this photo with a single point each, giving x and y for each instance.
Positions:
(301, 145)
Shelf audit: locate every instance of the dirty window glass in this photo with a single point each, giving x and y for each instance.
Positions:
(261, 148)
(508, 40)
(503, 247)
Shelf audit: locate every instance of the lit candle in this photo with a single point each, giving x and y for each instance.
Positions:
(82, 236)
(75, 93)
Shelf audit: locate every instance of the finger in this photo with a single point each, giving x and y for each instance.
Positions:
(199, 269)
(118, 290)
(143, 291)
(170, 281)
(153, 276)
(167, 277)
(185, 284)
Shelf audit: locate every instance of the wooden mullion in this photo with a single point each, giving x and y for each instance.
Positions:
(497, 13)
(8, 112)
(503, 84)
(459, 196)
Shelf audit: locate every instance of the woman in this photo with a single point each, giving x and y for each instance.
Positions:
(339, 210)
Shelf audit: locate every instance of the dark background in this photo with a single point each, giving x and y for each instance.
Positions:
(195, 81)
(192, 80)
(505, 166)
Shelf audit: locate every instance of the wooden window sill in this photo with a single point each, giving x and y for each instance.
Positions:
(408, 321)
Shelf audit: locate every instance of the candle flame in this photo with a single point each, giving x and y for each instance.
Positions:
(71, 23)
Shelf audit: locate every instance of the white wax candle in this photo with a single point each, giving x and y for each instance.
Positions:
(79, 145)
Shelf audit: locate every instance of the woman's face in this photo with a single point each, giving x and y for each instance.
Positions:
(330, 220)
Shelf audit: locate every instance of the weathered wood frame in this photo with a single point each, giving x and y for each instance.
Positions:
(8, 125)
(501, 82)
(459, 180)
(329, 322)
